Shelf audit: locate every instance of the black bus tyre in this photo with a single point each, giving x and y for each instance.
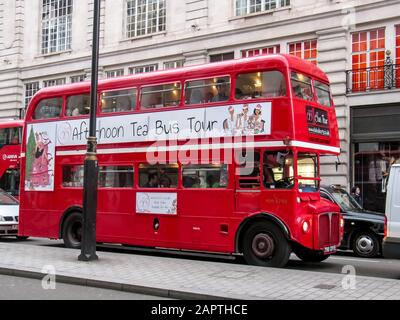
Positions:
(264, 244)
(72, 231)
(22, 238)
(365, 244)
(310, 255)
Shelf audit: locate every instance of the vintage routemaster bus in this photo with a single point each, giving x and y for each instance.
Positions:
(221, 158)
(10, 151)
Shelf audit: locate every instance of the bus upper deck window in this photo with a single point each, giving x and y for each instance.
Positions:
(302, 86)
(207, 90)
(48, 109)
(323, 93)
(118, 100)
(78, 105)
(166, 95)
(269, 84)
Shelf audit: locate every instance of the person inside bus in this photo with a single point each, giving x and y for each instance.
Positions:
(196, 97)
(152, 181)
(164, 181)
(222, 89)
(268, 177)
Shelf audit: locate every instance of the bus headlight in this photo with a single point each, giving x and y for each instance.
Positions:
(306, 227)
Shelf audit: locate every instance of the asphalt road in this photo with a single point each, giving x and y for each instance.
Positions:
(13, 288)
(378, 267)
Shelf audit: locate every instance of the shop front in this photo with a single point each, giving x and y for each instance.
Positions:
(375, 135)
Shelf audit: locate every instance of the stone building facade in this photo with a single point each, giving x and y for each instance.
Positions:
(48, 42)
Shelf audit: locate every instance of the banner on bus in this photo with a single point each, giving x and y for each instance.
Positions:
(40, 155)
(156, 203)
(196, 123)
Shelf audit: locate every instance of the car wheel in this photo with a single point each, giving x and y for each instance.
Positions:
(310, 255)
(265, 245)
(72, 231)
(365, 244)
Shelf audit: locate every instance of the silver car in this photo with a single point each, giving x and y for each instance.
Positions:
(9, 213)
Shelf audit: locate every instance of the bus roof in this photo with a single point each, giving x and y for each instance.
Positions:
(11, 123)
(280, 61)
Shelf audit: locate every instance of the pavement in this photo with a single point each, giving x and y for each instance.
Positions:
(190, 279)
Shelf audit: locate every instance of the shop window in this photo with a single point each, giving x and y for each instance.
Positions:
(116, 177)
(207, 90)
(78, 105)
(73, 176)
(267, 84)
(278, 172)
(158, 176)
(205, 176)
(302, 88)
(48, 109)
(323, 94)
(118, 100)
(166, 95)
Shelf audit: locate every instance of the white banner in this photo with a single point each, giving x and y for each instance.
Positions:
(226, 121)
(156, 203)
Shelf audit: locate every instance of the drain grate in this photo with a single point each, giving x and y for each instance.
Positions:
(325, 286)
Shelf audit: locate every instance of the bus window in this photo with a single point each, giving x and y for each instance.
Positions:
(205, 176)
(249, 170)
(166, 95)
(207, 90)
(118, 100)
(322, 91)
(78, 105)
(159, 176)
(48, 109)
(267, 84)
(278, 170)
(307, 168)
(116, 177)
(73, 176)
(302, 86)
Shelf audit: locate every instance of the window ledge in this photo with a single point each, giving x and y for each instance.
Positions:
(257, 14)
(53, 54)
(144, 36)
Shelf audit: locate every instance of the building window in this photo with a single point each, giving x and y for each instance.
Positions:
(306, 50)
(143, 69)
(173, 64)
(260, 51)
(79, 78)
(56, 25)
(53, 82)
(222, 57)
(145, 17)
(30, 90)
(245, 7)
(368, 60)
(115, 73)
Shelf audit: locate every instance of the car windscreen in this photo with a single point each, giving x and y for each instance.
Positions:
(345, 200)
(5, 199)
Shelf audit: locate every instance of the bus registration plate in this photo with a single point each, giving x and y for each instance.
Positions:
(330, 249)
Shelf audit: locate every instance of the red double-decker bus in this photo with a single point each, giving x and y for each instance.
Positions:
(10, 151)
(222, 158)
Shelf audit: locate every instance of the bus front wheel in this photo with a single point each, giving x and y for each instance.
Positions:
(72, 231)
(307, 255)
(264, 244)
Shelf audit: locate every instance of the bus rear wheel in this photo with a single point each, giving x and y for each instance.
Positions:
(265, 245)
(72, 231)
